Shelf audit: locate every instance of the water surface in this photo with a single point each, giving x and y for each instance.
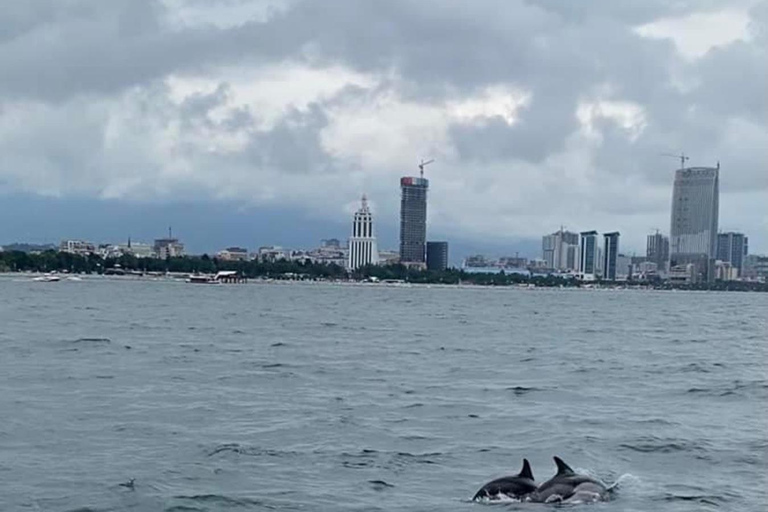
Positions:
(339, 397)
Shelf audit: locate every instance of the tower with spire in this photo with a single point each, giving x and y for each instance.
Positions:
(362, 243)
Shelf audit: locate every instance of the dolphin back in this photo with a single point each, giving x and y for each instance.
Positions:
(517, 486)
(526, 472)
(562, 467)
(567, 485)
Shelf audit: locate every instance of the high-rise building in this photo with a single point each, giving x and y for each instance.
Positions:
(693, 230)
(413, 220)
(588, 255)
(657, 250)
(610, 254)
(549, 246)
(623, 266)
(362, 243)
(732, 248)
(559, 250)
(437, 255)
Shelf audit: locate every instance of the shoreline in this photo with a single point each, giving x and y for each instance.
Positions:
(27, 276)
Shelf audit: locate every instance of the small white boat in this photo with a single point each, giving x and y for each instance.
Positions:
(47, 278)
(202, 279)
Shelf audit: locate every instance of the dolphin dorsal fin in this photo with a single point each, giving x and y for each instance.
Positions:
(526, 471)
(563, 468)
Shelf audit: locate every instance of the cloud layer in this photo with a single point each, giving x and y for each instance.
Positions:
(538, 113)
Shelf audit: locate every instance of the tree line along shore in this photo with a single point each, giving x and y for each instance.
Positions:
(57, 261)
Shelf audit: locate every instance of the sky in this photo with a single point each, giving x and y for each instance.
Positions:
(263, 121)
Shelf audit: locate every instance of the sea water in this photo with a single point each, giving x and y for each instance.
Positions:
(337, 397)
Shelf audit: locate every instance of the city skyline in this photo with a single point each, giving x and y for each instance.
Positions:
(700, 251)
(197, 227)
(222, 107)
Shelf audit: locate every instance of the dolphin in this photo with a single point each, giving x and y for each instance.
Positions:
(568, 486)
(517, 486)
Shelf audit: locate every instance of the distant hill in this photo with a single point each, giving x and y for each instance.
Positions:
(28, 247)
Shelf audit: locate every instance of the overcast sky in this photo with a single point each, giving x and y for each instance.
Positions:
(538, 113)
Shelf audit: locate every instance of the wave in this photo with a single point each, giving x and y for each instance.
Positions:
(735, 388)
(91, 340)
(380, 485)
(251, 451)
(223, 500)
(522, 390)
(704, 499)
(652, 444)
(368, 458)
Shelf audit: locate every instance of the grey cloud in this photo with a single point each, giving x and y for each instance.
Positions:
(77, 60)
(634, 12)
(293, 144)
(540, 130)
(97, 47)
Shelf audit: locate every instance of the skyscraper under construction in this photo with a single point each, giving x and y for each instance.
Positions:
(413, 220)
(693, 232)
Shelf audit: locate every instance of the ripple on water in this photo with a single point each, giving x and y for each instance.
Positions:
(250, 451)
(392, 461)
(221, 500)
(523, 390)
(702, 499)
(758, 388)
(380, 485)
(90, 340)
(653, 444)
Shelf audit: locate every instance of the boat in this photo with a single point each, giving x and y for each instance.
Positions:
(202, 279)
(222, 276)
(47, 278)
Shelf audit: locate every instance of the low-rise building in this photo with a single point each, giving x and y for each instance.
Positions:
(272, 253)
(538, 264)
(477, 261)
(726, 271)
(330, 253)
(233, 254)
(513, 262)
(389, 257)
(686, 273)
(755, 268)
(138, 249)
(168, 248)
(644, 269)
(80, 247)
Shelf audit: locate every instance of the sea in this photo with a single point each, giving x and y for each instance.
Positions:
(129, 394)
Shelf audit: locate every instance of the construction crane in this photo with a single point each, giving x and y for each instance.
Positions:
(422, 165)
(681, 156)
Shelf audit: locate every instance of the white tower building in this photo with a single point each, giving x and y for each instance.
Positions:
(362, 244)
